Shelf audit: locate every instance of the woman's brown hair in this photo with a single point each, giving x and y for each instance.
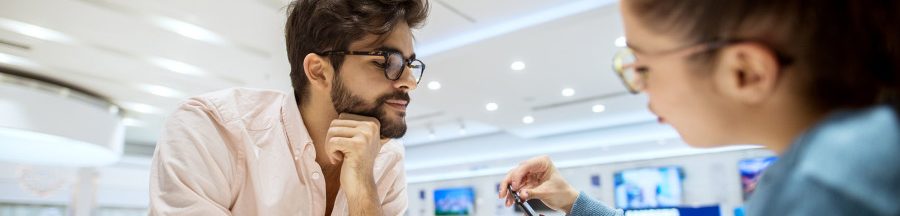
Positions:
(846, 52)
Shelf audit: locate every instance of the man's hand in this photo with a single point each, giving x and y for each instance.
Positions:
(354, 141)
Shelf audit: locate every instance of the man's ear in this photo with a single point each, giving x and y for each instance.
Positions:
(318, 71)
(748, 73)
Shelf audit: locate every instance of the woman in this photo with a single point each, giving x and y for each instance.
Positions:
(814, 81)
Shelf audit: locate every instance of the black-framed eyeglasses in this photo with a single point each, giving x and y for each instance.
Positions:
(394, 64)
(634, 78)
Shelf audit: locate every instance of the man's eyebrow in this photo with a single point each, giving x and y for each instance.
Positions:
(391, 49)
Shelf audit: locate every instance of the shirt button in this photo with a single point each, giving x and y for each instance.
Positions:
(316, 175)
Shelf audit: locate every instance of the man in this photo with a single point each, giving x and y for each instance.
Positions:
(325, 149)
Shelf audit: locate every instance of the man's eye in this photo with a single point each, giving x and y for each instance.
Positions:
(378, 64)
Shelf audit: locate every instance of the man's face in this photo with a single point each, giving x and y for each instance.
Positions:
(361, 87)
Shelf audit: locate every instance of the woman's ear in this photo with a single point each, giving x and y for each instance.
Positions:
(748, 72)
(318, 71)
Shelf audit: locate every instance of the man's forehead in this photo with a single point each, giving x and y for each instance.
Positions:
(372, 42)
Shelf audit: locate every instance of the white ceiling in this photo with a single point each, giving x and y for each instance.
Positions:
(127, 50)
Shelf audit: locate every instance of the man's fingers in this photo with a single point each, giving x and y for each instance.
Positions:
(503, 184)
(517, 177)
(369, 128)
(354, 117)
(532, 193)
(337, 147)
(344, 132)
(345, 123)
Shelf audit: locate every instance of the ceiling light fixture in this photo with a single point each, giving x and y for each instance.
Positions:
(434, 85)
(517, 66)
(568, 92)
(492, 106)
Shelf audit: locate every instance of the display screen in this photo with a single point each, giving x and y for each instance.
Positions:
(751, 170)
(648, 187)
(454, 201)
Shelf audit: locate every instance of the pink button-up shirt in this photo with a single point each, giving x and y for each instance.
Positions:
(247, 152)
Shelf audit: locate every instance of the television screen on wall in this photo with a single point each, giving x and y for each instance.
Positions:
(751, 169)
(454, 201)
(648, 187)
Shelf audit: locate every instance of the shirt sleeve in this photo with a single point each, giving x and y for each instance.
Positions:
(585, 205)
(192, 169)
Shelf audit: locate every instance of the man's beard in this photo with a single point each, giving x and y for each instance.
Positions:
(345, 102)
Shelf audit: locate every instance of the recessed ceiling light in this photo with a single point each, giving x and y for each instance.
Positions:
(517, 66)
(568, 92)
(528, 119)
(598, 108)
(434, 85)
(621, 42)
(491, 106)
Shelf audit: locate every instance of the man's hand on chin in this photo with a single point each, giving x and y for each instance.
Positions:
(355, 141)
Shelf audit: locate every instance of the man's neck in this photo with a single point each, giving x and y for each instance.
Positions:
(318, 117)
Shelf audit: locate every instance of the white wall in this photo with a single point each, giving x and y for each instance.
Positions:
(710, 179)
(124, 185)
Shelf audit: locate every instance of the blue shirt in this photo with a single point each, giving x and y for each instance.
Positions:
(848, 164)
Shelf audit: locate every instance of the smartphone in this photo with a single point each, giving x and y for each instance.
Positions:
(521, 203)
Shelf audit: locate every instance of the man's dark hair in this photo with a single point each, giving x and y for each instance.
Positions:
(321, 25)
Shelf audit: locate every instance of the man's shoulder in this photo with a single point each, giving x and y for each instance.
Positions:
(242, 103)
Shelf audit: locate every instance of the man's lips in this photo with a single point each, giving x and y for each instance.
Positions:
(398, 104)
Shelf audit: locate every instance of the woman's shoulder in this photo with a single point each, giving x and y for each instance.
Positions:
(856, 154)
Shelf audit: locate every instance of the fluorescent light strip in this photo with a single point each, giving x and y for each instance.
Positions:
(141, 108)
(511, 26)
(17, 61)
(35, 31)
(177, 66)
(181, 28)
(578, 163)
(161, 91)
(55, 36)
(553, 146)
(188, 30)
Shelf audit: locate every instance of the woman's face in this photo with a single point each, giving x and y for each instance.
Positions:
(679, 94)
